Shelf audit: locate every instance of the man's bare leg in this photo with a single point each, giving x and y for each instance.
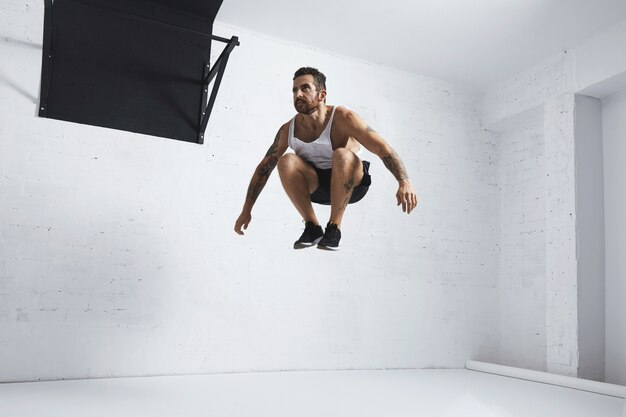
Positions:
(299, 180)
(347, 174)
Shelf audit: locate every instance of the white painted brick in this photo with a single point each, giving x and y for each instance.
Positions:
(561, 267)
(522, 278)
(120, 245)
(527, 90)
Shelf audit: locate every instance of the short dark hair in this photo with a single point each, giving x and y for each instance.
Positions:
(319, 79)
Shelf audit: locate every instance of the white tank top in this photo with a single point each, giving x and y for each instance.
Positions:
(320, 151)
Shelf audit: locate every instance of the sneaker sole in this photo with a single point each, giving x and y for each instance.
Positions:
(335, 248)
(304, 245)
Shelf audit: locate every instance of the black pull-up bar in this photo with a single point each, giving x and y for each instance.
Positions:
(62, 92)
(151, 21)
(218, 69)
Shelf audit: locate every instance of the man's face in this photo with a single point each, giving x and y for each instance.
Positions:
(306, 97)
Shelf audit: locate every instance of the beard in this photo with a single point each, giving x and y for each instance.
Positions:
(305, 108)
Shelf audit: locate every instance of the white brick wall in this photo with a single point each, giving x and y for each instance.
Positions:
(561, 264)
(117, 255)
(528, 89)
(535, 110)
(596, 67)
(522, 240)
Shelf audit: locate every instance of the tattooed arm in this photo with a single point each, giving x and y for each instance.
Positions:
(352, 125)
(260, 176)
(394, 164)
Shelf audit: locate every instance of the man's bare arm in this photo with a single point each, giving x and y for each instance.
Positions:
(394, 164)
(405, 195)
(368, 137)
(260, 177)
(262, 172)
(391, 160)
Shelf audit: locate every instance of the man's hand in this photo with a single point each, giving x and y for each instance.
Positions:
(242, 221)
(406, 196)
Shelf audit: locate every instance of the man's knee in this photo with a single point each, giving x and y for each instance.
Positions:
(288, 163)
(343, 156)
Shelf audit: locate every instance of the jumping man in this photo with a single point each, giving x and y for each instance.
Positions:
(326, 167)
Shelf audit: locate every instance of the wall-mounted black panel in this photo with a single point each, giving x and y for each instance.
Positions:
(202, 9)
(129, 65)
(190, 14)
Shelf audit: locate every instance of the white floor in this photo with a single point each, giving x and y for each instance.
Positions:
(430, 393)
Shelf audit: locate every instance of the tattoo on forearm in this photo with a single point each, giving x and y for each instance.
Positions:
(274, 145)
(395, 165)
(264, 170)
(253, 192)
(262, 174)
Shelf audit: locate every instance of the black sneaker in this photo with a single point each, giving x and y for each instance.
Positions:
(310, 237)
(331, 238)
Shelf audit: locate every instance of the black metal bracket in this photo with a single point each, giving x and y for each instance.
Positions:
(46, 58)
(208, 76)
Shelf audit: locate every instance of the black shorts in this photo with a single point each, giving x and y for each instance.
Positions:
(322, 194)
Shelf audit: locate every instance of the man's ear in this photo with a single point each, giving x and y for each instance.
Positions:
(323, 95)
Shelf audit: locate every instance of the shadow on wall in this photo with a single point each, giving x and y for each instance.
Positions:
(4, 79)
(22, 91)
(22, 43)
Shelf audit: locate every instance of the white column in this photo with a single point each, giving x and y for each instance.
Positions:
(561, 264)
